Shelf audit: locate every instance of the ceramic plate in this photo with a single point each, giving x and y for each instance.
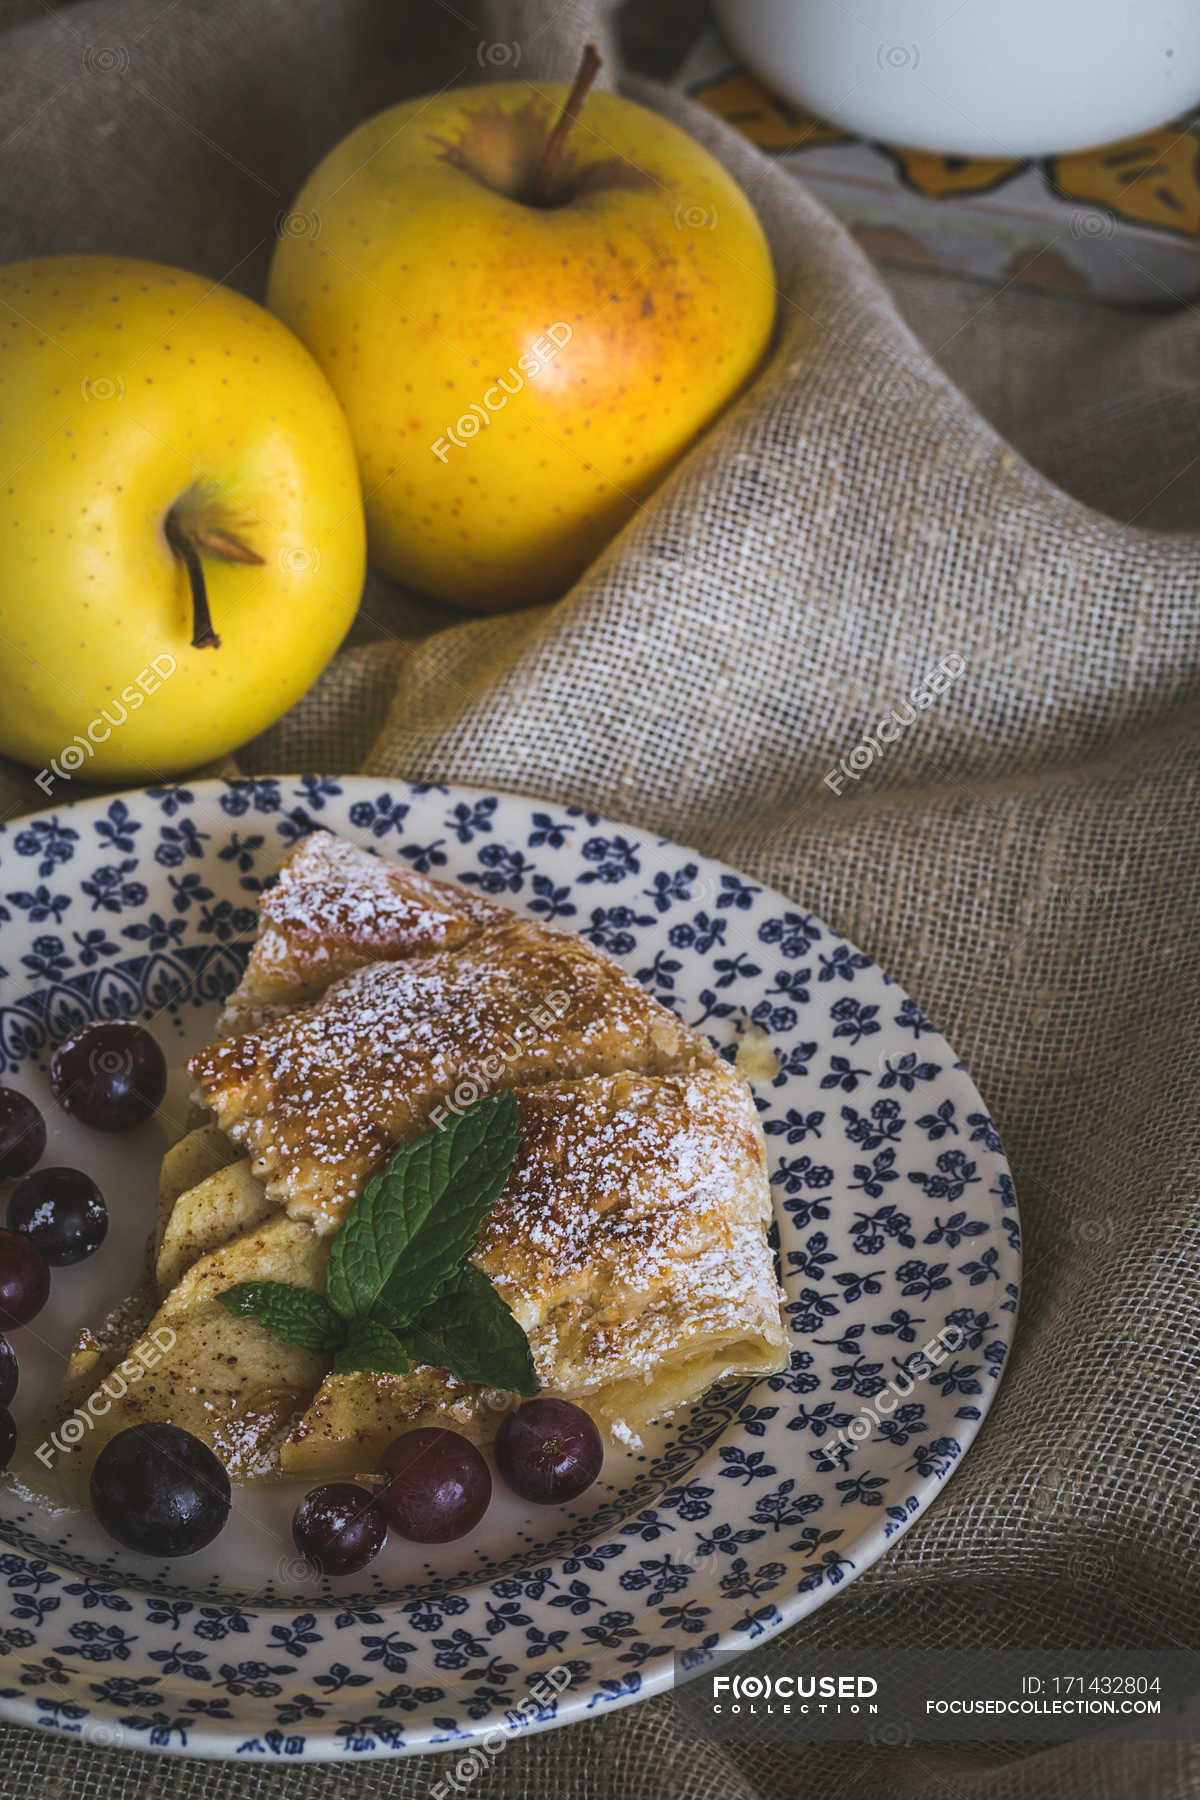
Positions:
(896, 1222)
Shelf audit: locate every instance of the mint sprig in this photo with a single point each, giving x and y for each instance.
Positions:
(398, 1286)
(415, 1222)
(294, 1313)
(471, 1331)
(373, 1348)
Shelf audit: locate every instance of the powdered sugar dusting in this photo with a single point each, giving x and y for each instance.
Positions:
(621, 1176)
(630, 1239)
(320, 1095)
(331, 895)
(336, 907)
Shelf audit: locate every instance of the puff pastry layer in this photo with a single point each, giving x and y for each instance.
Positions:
(630, 1239)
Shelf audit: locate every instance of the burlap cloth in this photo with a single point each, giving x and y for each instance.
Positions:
(1023, 859)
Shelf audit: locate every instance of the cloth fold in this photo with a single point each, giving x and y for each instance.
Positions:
(1021, 855)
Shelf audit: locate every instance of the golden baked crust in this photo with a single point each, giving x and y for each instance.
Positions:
(335, 907)
(618, 1180)
(630, 1243)
(320, 1095)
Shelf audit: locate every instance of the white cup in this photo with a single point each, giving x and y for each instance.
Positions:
(977, 78)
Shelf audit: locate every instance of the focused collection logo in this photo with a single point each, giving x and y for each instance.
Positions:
(737, 1694)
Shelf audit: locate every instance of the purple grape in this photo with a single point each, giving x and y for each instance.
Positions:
(62, 1212)
(549, 1451)
(8, 1437)
(438, 1485)
(22, 1132)
(157, 1489)
(24, 1280)
(339, 1528)
(110, 1076)
(10, 1372)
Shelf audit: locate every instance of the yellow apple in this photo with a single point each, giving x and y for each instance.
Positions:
(181, 530)
(523, 342)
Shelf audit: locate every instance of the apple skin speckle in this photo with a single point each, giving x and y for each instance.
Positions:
(661, 322)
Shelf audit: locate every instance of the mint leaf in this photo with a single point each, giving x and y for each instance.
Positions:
(399, 1263)
(417, 1219)
(294, 1313)
(372, 1238)
(470, 1330)
(372, 1348)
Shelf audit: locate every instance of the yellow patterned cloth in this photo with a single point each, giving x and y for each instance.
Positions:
(1121, 221)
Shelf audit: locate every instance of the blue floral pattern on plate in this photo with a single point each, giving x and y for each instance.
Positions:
(896, 1221)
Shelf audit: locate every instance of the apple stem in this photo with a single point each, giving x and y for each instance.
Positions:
(203, 635)
(589, 66)
(207, 534)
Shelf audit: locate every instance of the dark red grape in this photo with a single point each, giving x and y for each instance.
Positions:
(110, 1076)
(549, 1451)
(24, 1280)
(8, 1437)
(10, 1372)
(22, 1132)
(438, 1485)
(157, 1489)
(339, 1528)
(61, 1211)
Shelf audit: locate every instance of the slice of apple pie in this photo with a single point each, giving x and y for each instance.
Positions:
(630, 1237)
